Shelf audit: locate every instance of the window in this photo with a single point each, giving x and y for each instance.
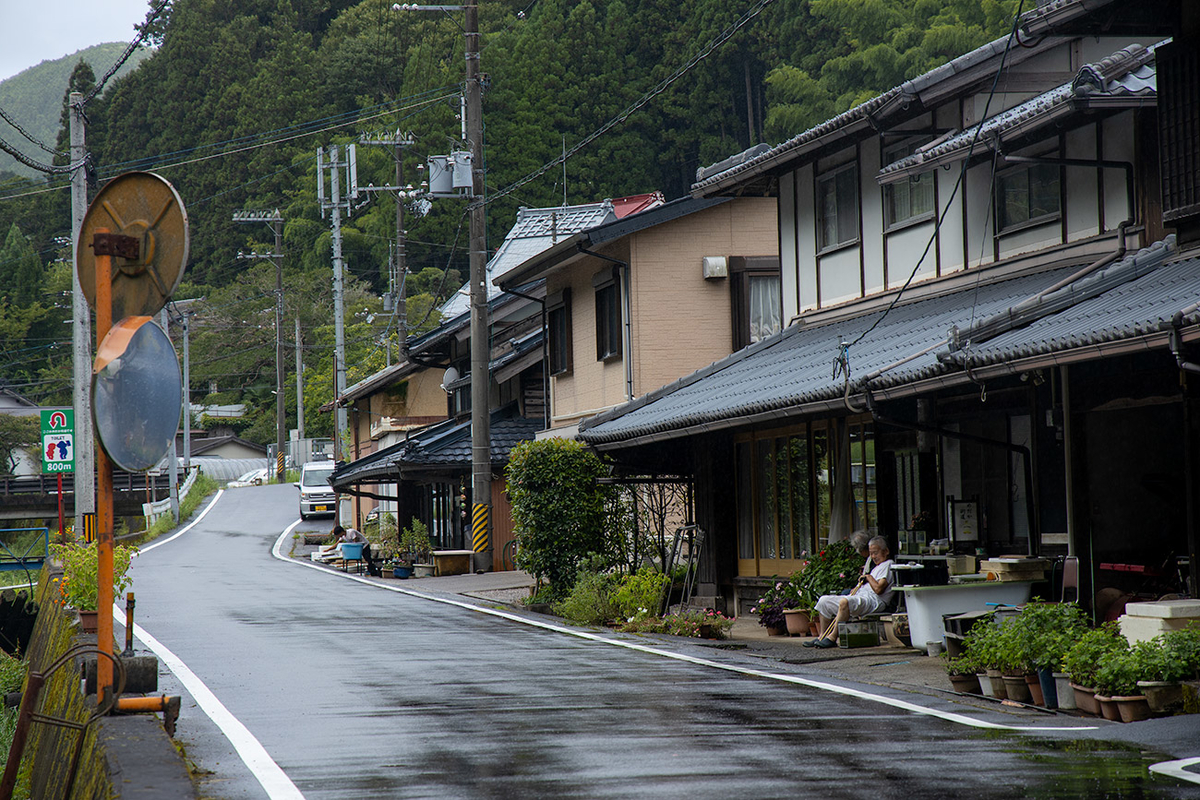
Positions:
(558, 330)
(608, 314)
(910, 199)
(757, 302)
(1027, 195)
(837, 207)
(786, 495)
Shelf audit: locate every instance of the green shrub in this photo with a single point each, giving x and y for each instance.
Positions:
(1043, 632)
(12, 673)
(590, 600)
(1182, 649)
(640, 592)
(557, 509)
(414, 541)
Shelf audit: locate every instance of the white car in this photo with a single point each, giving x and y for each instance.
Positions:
(316, 495)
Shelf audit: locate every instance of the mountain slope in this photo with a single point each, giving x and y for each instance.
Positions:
(34, 99)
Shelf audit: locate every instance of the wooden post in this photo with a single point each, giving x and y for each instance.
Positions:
(104, 500)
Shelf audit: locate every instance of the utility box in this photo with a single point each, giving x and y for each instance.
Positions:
(714, 267)
(462, 176)
(441, 178)
(864, 633)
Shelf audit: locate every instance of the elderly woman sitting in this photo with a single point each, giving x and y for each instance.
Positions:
(872, 593)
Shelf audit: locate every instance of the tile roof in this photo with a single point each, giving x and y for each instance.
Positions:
(1129, 73)
(779, 376)
(446, 445)
(535, 230)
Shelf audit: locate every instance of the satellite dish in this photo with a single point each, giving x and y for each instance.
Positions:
(450, 376)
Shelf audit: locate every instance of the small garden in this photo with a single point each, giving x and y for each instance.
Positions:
(828, 571)
(1048, 655)
(594, 565)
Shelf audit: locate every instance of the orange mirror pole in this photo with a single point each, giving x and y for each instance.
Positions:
(104, 500)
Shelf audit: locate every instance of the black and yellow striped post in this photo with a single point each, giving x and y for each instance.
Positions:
(480, 513)
(89, 526)
(279, 473)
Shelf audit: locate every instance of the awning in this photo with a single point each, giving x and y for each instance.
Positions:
(438, 448)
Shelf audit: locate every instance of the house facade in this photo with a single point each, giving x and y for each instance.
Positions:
(989, 284)
(640, 302)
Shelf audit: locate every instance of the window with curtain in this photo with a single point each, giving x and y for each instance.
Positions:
(757, 299)
(910, 199)
(837, 207)
(1027, 195)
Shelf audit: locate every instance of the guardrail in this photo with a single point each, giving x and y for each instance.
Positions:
(153, 511)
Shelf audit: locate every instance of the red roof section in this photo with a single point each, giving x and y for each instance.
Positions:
(624, 206)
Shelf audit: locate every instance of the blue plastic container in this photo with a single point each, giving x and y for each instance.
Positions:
(352, 551)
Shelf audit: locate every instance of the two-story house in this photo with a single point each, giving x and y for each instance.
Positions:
(987, 330)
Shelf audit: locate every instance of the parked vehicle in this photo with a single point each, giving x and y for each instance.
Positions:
(316, 495)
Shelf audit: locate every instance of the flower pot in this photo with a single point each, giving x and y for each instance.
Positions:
(1133, 708)
(423, 570)
(1049, 688)
(1035, 689)
(966, 684)
(996, 679)
(1108, 708)
(773, 631)
(1163, 697)
(814, 626)
(87, 621)
(798, 621)
(1063, 691)
(402, 571)
(1085, 699)
(1016, 688)
(985, 685)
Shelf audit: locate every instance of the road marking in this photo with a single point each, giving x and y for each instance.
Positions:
(182, 530)
(948, 716)
(273, 779)
(1176, 769)
(264, 769)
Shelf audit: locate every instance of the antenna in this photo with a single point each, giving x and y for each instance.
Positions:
(564, 141)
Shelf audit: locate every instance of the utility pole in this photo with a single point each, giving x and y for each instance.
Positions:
(481, 450)
(187, 399)
(335, 164)
(275, 220)
(398, 142)
(299, 385)
(172, 458)
(81, 332)
(481, 457)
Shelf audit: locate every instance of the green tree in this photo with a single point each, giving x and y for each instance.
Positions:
(17, 434)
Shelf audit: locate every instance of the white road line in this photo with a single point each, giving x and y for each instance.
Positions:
(184, 529)
(949, 716)
(273, 779)
(1176, 769)
(264, 769)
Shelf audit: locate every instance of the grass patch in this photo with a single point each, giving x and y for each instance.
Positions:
(201, 489)
(12, 677)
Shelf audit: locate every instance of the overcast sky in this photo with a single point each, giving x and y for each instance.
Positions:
(40, 30)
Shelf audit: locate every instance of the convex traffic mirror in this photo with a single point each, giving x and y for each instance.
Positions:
(137, 394)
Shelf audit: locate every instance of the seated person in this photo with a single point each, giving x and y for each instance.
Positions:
(873, 592)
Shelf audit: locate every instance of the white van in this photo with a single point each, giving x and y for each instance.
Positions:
(316, 495)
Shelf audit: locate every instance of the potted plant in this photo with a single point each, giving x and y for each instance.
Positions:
(1166, 661)
(1084, 658)
(415, 549)
(770, 608)
(982, 643)
(79, 587)
(1043, 632)
(385, 542)
(963, 672)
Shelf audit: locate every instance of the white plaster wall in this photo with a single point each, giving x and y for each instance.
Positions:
(871, 201)
(841, 278)
(788, 263)
(950, 237)
(904, 250)
(1118, 146)
(1082, 211)
(806, 236)
(977, 192)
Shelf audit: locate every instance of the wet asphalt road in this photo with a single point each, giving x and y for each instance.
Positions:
(357, 692)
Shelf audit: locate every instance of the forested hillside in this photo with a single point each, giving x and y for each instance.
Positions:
(33, 99)
(239, 94)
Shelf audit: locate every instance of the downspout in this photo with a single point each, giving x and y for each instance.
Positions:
(1176, 339)
(545, 355)
(1026, 457)
(626, 312)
